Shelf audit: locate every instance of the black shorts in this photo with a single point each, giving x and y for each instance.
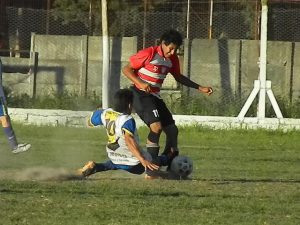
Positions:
(151, 109)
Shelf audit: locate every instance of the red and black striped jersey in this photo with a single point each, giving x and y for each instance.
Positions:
(152, 67)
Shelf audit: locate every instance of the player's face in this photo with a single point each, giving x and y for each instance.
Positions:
(169, 50)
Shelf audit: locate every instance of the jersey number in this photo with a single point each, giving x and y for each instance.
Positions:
(155, 112)
(110, 126)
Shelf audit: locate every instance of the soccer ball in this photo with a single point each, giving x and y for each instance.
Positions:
(182, 166)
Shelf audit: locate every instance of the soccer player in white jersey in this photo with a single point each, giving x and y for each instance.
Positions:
(6, 123)
(147, 69)
(123, 148)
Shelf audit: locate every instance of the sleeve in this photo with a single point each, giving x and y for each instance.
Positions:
(138, 60)
(95, 119)
(175, 69)
(129, 126)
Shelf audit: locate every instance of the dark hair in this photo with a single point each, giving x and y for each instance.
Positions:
(171, 36)
(122, 99)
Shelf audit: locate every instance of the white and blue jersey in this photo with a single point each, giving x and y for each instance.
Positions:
(116, 124)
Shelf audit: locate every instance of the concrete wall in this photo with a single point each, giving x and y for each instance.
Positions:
(215, 63)
(295, 84)
(120, 51)
(60, 63)
(17, 81)
(74, 64)
(231, 66)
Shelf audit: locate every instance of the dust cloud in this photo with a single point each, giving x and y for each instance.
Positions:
(41, 174)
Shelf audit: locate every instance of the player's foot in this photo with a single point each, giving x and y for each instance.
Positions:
(152, 174)
(157, 174)
(171, 154)
(149, 177)
(88, 169)
(21, 148)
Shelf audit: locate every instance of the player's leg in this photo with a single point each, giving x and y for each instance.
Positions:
(145, 106)
(171, 131)
(109, 165)
(7, 128)
(92, 167)
(171, 147)
(153, 141)
(9, 132)
(137, 169)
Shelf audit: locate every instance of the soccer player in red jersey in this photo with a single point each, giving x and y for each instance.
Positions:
(147, 69)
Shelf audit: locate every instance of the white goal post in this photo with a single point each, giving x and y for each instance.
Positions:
(262, 85)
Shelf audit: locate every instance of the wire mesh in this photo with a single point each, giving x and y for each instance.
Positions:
(232, 19)
(222, 21)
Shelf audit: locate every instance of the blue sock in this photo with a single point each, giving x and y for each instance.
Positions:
(9, 132)
(164, 160)
(108, 165)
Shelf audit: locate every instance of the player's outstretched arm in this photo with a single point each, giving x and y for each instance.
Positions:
(134, 148)
(189, 83)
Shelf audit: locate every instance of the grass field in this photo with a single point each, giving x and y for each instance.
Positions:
(240, 177)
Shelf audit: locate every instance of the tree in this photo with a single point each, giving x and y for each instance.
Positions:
(85, 11)
(124, 15)
(251, 16)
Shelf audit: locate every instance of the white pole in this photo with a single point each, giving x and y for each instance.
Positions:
(210, 18)
(188, 20)
(105, 58)
(263, 60)
(262, 85)
(273, 100)
(249, 101)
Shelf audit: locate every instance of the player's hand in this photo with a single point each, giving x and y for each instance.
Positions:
(206, 90)
(145, 87)
(149, 165)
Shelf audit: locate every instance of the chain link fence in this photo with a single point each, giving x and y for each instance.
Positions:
(219, 21)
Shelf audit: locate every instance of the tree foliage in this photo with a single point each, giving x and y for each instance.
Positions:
(250, 15)
(123, 15)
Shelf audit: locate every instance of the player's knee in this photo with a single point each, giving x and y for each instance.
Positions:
(156, 127)
(153, 137)
(155, 131)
